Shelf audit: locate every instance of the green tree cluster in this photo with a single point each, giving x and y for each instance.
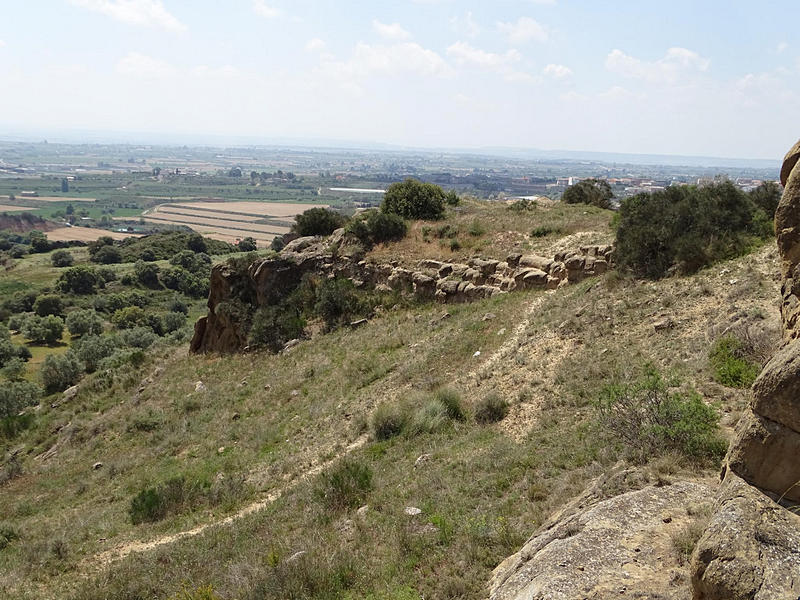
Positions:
(594, 192)
(413, 199)
(684, 228)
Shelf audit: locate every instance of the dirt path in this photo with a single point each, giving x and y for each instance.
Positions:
(513, 342)
(123, 550)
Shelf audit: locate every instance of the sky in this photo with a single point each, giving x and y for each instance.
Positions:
(687, 77)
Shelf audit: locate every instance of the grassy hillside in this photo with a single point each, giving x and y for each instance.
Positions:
(266, 476)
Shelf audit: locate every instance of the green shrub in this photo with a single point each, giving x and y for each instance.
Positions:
(60, 371)
(155, 503)
(451, 400)
(428, 418)
(412, 199)
(147, 273)
(92, 349)
(134, 357)
(376, 227)
(14, 369)
(730, 363)
(106, 255)
(47, 330)
(685, 228)
(595, 192)
(138, 337)
(318, 221)
(62, 258)
(544, 230)
(389, 420)
(194, 262)
(174, 321)
(105, 275)
(78, 280)
(177, 305)
(7, 535)
(84, 322)
(452, 198)
(48, 304)
(344, 485)
(651, 420)
(15, 396)
(476, 229)
(166, 245)
(337, 302)
(491, 409)
(273, 326)
(247, 244)
(766, 197)
(129, 317)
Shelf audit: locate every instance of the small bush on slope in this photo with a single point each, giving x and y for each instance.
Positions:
(730, 363)
(651, 420)
(344, 485)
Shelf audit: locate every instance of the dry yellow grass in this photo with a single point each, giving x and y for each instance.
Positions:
(9, 208)
(216, 224)
(267, 209)
(84, 234)
(206, 214)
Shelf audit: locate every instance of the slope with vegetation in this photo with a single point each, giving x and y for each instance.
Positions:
(402, 459)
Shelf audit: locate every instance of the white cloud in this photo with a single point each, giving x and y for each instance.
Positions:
(315, 45)
(465, 54)
(465, 25)
(135, 64)
(781, 47)
(676, 64)
(2, 43)
(390, 31)
(524, 30)
(557, 71)
(151, 13)
(265, 10)
(386, 60)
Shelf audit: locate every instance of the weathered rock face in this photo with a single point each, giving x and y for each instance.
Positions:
(787, 228)
(266, 282)
(751, 549)
(618, 548)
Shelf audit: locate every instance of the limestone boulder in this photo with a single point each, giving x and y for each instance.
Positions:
(765, 454)
(776, 391)
(750, 549)
(617, 548)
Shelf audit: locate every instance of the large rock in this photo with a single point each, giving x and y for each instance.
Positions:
(777, 390)
(750, 549)
(765, 454)
(618, 548)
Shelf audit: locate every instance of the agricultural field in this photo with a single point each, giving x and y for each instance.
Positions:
(51, 199)
(84, 234)
(10, 208)
(230, 221)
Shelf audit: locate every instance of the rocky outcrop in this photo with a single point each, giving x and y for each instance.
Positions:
(267, 281)
(617, 548)
(751, 548)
